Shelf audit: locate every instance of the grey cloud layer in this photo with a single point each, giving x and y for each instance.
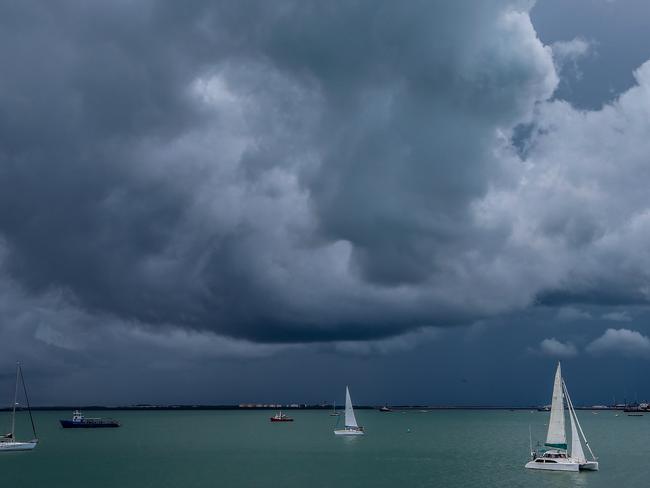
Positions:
(581, 203)
(300, 171)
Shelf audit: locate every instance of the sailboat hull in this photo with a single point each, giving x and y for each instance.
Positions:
(17, 446)
(348, 432)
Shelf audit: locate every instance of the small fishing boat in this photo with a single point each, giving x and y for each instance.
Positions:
(281, 417)
(8, 441)
(351, 427)
(555, 456)
(78, 421)
(385, 408)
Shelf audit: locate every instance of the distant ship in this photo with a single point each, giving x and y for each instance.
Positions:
(637, 408)
(80, 422)
(385, 409)
(281, 417)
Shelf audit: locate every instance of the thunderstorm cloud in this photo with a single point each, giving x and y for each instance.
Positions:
(231, 179)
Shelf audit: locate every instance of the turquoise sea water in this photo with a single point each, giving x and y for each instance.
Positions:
(243, 449)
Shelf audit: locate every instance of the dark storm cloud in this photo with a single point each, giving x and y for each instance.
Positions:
(286, 171)
(302, 172)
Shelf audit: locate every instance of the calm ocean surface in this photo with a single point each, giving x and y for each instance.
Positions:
(243, 449)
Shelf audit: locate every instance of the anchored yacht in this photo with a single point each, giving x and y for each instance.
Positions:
(555, 456)
(351, 426)
(8, 441)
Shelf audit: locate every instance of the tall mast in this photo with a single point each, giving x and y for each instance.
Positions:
(13, 414)
(29, 408)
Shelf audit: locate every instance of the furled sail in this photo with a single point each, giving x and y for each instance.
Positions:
(350, 420)
(556, 436)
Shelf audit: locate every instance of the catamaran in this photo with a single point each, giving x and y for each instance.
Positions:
(8, 441)
(351, 426)
(556, 456)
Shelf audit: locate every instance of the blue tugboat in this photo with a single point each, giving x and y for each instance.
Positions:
(80, 422)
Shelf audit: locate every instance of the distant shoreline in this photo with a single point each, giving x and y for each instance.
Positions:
(144, 407)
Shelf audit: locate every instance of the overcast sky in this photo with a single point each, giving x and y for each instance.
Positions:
(253, 201)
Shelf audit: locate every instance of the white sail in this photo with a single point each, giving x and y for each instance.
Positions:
(556, 436)
(350, 420)
(576, 446)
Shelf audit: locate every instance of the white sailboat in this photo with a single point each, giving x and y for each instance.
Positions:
(556, 455)
(8, 441)
(334, 412)
(351, 426)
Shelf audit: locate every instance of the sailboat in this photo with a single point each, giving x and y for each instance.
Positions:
(556, 455)
(351, 426)
(334, 412)
(8, 441)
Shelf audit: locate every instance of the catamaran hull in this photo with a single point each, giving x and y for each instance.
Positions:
(564, 466)
(17, 446)
(348, 432)
(567, 466)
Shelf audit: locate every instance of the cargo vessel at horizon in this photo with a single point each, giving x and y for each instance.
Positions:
(78, 421)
